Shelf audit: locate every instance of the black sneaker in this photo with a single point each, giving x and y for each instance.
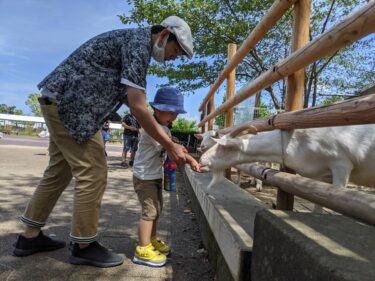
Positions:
(95, 255)
(131, 162)
(28, 246)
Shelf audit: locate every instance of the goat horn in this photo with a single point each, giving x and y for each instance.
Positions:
(248, 128)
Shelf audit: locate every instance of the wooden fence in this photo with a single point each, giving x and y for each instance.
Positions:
(355, 111)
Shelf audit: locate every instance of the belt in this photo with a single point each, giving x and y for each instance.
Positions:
(45, 101)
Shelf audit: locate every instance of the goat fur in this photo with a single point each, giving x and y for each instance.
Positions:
(333, 154)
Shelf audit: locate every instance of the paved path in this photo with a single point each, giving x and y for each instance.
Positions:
(20, 170)
(43, 142)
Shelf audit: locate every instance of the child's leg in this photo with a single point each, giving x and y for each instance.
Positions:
(145, 229)
(154, 227)
(150, 196)
(145, 252)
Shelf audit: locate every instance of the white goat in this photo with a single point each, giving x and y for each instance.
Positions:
(208, 141)
(333, 154)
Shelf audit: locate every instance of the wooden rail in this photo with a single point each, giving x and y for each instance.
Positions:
(353, 203)
(356, 111)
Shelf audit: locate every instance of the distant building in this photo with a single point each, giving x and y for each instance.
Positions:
(10, 123)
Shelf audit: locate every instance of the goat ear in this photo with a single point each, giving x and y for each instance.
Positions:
(198, 136)
(230, 142)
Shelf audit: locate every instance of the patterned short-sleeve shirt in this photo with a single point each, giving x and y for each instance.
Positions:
(90, 82)
(130, 121)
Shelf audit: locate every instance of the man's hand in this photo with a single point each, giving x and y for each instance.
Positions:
(177, 153)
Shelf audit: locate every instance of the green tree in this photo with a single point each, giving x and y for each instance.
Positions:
(33, 103)
(224, 22)
(331, 100)
(10, 109)
(263, 111)
(185, 126)
(219, 120)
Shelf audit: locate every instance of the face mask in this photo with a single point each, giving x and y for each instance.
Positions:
(158, 53)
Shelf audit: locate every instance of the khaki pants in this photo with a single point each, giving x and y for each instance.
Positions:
(150, 195)
(86, 163)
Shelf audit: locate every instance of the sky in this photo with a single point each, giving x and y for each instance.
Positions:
(36, 35)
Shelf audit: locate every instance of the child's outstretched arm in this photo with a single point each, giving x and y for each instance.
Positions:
(193, 163)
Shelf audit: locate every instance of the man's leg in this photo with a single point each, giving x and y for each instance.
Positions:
(127, 148)
(134, 147)
(55, 179)
(88, 165)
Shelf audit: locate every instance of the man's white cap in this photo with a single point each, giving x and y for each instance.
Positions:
(182, 31)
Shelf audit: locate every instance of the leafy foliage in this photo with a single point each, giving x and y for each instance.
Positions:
(185, 126)
(10, 109)
(263, 111)
(33, 103)
(331, 100)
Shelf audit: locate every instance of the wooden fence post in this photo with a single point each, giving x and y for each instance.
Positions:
(203, 115)
(295, 82)
(231, 79)
(211, 108)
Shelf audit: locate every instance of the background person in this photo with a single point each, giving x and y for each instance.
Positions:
(130, 137)
(106, 134)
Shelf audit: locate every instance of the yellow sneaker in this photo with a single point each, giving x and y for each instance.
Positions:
(149, 256)
(160, 245)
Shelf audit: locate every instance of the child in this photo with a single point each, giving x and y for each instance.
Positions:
(147, 179)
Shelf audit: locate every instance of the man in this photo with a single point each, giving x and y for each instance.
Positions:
(76, 97)
(131, 130)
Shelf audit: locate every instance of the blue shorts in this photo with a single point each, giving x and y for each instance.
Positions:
(105, 136)
(130, 143)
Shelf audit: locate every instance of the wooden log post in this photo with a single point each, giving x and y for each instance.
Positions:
(295, 83)
(231, 79)
(211, 108)
(232, 48)
(203, 115)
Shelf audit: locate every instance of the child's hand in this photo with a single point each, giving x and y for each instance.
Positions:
(193, 163)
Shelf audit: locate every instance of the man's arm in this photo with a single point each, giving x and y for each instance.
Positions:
(126, 126)
(136, 100)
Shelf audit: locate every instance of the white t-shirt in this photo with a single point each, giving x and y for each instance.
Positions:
(148, 163)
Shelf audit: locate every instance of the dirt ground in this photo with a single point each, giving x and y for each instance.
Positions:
(190, 258)
(21, 168)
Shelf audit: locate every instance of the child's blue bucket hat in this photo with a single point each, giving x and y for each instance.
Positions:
(169, 99)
